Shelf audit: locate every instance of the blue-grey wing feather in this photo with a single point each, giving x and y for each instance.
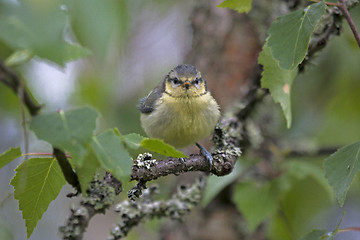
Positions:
(147, 104)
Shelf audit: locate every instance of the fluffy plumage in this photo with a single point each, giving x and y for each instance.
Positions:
(180, 110)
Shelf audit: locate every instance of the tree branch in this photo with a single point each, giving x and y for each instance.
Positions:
(227, 151)
(132, 213)
(11, 79)
(99, 197)
(346, 13)
(69, 174)
(331, 27)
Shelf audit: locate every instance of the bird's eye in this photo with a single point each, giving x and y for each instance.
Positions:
(196, 83)
(175, 82)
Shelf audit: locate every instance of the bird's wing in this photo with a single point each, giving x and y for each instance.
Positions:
(147, 104)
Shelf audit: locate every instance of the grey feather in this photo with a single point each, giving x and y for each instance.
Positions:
(147, 104)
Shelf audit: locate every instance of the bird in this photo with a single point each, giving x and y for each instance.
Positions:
(180, 110)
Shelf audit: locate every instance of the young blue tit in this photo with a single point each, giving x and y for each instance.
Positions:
(180, 109)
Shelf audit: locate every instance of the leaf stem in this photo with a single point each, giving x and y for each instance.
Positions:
(327, 3)
(43, 154)
(349, 229)
(342, 6)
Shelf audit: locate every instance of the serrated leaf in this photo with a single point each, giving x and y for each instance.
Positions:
(242, 6)
(316, 235)
(289, 35)
(256, 202)
(9, 155)
(70, 130)
(112, 154)
(39, 28)
(341, 168)
(19, 57)
(37, 182)
(159, 146)
(278, 81)
(133, 140)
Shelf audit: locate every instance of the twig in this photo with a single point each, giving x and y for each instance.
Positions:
(344, 9)
(226, 141)
(132, 213)
(23, 117)
(317, 152)
(11, 79)
(349, 229)
(5, 198)
(67, 170)
(254, 96)
(195, 162)
(327, 3)
(100, 196)
(319, 44)
(331, 27)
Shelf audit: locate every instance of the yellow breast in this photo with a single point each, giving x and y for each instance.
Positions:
(182, 121)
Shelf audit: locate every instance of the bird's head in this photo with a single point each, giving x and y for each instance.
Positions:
(185, 81)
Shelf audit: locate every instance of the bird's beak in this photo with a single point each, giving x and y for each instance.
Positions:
(186, 85)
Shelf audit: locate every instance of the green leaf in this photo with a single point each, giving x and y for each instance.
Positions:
(341, 168)
(38, 28)
(302, 169)
(5, 232)
(159, 146)
(316, 235)
(87, 171)
(215, 184)
(256, 202)
(18, 57)
(323, 234)
(132, 140)
(37, 182)
(279, 228)
(112, 154)
(107, 19)
(70, 130)
(289, 35)
(76, 51)
(242, 6)
(278, 81)
(9, 155)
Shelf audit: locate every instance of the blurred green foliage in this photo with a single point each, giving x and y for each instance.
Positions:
(325, 99)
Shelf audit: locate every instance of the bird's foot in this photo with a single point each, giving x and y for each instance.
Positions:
(206, 154)
(182, 160)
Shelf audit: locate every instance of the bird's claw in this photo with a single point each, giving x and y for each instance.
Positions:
(182, 160)
(206, 154)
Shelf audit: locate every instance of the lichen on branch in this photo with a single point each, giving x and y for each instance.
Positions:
(145, 208)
